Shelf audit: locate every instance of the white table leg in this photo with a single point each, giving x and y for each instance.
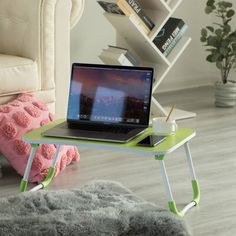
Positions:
(195, 185)
(24, 181)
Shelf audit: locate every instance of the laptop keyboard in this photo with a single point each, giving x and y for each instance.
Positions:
(99, 128)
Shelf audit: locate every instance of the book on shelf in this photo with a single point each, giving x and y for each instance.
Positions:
(173, 43)
(126, 52)
(131, 9)
(114, 58)
(117, 55)
(111, 7)
(169, 35)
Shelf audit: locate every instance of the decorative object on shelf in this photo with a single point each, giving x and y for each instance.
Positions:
(220, 41)
(139, 43)
(169, 35)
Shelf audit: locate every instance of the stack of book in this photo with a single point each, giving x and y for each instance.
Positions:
(118, 56)
(169, 35)
(129, 8)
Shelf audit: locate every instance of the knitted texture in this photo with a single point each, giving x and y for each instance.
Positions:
(20, 116)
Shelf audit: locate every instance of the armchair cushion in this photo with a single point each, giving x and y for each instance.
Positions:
(19, 117)
(17, 74)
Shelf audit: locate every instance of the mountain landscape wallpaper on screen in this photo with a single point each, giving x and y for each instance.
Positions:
(109, 95)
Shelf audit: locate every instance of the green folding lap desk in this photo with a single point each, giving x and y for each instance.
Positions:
(180, 138)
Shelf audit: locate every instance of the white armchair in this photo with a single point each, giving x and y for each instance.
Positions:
(35, 49)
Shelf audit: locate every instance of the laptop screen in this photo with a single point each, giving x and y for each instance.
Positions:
(110, 94)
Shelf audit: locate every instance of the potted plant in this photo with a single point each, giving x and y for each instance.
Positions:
(220, 41)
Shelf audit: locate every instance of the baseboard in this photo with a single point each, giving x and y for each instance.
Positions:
(186, 82)
(182, 88)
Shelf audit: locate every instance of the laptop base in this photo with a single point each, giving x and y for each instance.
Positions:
(63, 131)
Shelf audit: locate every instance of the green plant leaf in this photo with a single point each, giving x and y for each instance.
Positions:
(234, 47)
(212, 50)
(230, 13)
(209, 9)
(225, 43)
(203, 39)
(223, 4)
(210, 3)
(227, 29)
(233, 33)
(213, 41)
(227, 21)
(221, 7)
(209, 58)
(210, 28)
(223, 51)
(204, 32)
(221, 58)
(220, 25)
(218, 32)
(215, 57)
(232, 38)
(226, 4)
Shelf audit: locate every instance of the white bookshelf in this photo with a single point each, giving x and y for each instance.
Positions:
(141, 44)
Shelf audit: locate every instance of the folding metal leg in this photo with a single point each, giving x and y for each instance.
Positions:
(45, 183)
(51, 172)
(195, 186)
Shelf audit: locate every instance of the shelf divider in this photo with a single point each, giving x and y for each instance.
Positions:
(134, 35)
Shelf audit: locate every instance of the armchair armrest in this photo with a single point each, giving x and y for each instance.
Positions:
(40, 30)
(21, 21)
(19, 27)
(76, 11)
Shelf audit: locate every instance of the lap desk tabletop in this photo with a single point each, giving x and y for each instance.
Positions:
(180, 138)
(171, 143)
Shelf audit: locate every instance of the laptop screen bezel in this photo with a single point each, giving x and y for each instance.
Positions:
(77, 121)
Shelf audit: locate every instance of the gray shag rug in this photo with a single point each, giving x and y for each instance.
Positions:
(103, 208)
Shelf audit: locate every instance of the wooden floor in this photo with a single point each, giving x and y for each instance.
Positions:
(214, 157)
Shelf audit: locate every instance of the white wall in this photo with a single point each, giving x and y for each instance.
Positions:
(94, 32)
(91, 34)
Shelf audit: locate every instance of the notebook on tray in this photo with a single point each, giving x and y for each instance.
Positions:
(106, 103)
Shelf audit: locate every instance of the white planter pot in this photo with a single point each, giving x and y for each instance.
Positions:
(225, 94)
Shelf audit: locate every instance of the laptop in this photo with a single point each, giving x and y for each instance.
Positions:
(106, 103)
